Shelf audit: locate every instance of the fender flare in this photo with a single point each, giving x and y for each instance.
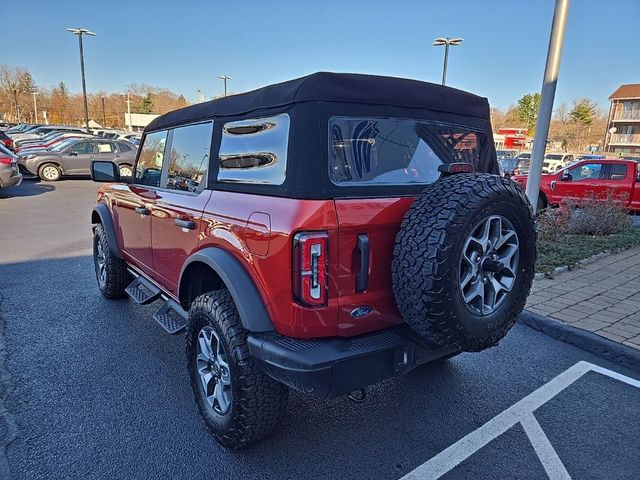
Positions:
(245, 294)
(107, 222)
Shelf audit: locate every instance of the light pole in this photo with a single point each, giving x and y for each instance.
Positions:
(447, 42)
(104, 116)
(80, 32)
(551, 70)
(224, 78)
(35, 107)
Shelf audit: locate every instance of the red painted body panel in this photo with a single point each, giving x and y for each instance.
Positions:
(556, 189)
(380, 220)
(172, 244)
(237, 222)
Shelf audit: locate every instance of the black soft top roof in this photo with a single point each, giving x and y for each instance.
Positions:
(334, 87)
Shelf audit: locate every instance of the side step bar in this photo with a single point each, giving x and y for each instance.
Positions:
(142, 291)
(171, 316)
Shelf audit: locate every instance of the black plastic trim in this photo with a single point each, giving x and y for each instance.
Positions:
(253, 313)
(332, 367)
(105, 218)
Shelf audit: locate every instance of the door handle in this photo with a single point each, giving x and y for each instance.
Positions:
(188, 224)
(143, 211)
(362, 277)
(594, 184)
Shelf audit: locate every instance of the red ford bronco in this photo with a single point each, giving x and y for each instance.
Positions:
(320, 234)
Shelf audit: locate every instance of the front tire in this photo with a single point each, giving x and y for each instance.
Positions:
(111, 271)
(49, 172)
(239, 403)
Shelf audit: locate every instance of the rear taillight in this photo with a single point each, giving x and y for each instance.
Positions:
(6, 160)
(8, 142)
(310, 268)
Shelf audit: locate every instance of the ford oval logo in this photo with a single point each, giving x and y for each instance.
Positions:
(361, 312)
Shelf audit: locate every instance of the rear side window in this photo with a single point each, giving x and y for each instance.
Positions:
(189, 157)
(618, 172)
(151, 158)
(394, 151)
(254, 151)
(125, 147)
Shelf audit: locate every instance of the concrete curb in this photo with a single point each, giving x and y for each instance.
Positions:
(579, 263)
(591, 342)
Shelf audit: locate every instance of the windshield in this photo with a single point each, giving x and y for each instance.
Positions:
(524, 164)
(62, 145)
(553, 156)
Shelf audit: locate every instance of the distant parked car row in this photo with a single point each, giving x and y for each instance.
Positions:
(53, 151)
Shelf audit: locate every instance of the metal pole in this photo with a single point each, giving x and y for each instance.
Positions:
(446, 61)
(225, 86)
(546, 99)
(84, 86)
(15, 97)
(104, 116)
(35, 107)
(129, 113)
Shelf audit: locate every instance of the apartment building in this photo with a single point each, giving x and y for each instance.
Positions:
(623, 126)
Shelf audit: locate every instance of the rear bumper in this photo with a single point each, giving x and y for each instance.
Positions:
(337, 366)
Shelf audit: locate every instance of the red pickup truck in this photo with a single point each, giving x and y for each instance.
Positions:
(589, 177)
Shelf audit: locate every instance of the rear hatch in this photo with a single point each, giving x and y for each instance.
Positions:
(400, 154)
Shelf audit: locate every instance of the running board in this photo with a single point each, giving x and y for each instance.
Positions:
(172, 317)
(142, 291)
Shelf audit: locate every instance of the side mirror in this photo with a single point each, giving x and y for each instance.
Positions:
(103, 171)
(566, 176)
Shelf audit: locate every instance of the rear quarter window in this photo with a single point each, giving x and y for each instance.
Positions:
(394, 151)
(254, 151)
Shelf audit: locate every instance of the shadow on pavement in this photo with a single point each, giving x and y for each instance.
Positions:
(27, 188)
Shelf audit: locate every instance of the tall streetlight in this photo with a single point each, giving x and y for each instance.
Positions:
(80, 32)
(447, 42)
(224, 78)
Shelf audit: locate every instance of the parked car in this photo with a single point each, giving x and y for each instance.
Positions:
(76, 159)
(515, 165)
(6, 140)
(9, 174)
(38, 132)
(597, 178)
(50, 140)
(289, 256)
(506, 153)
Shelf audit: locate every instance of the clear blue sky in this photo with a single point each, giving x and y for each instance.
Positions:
(183, 45)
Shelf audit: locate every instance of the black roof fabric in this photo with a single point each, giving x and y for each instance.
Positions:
(334, 87)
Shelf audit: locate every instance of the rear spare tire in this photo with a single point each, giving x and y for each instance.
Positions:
(464, 260)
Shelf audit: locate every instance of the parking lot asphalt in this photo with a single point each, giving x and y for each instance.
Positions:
(94, 388)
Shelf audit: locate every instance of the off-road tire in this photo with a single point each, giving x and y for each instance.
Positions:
(258, 402)
(50, 167)
(117, 277)
(426, 259)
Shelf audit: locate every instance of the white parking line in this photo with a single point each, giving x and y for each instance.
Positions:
(547, 455)
(520, 412)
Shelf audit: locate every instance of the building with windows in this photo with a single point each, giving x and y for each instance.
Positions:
(623, 125)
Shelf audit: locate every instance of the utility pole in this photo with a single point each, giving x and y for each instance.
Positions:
(551, 70)
(129, 112)
(15, 98)
(35, 107)
(447, 42)
(224, 78)
(104, 116)
(80, 32)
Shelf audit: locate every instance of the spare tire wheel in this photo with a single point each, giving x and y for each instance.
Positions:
(464, 260)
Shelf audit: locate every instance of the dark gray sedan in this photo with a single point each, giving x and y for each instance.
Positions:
(76, 159)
